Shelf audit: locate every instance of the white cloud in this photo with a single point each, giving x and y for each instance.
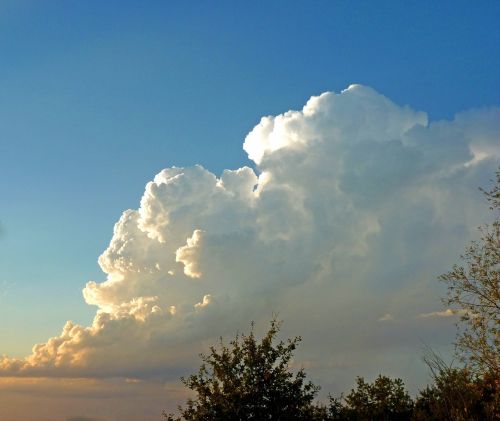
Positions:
(187, 255)
(207, 299)
(445, 313)
(357, 204)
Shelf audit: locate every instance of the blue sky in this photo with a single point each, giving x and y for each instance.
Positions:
(97, 97)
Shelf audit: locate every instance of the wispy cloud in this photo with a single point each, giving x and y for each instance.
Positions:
(445, 313)
(4, 288)
(386, 317)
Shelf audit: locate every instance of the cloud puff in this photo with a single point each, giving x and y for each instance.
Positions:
(355, 206)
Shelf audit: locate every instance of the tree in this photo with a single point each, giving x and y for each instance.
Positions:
(457, 394)
(383, 400)
(250, 380)
(473, 290)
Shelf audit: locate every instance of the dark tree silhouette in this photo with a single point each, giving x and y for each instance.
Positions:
(457, 394)
(250, 380)
(383, 400)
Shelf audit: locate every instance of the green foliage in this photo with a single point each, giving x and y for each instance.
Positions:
(473, 290)
(457, 395)
(250, 380)
(383, 400)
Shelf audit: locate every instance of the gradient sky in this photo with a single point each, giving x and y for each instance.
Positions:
(98, 97)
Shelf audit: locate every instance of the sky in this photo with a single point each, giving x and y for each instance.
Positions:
(316, 160)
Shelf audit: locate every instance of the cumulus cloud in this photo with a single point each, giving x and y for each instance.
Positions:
(355, 206)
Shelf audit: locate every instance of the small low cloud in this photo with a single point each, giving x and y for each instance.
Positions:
(386, 317)
(445, 313)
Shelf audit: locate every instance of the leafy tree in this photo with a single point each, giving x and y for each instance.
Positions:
(250, 380)
(473, 289)
(383, 400)
(457, 395)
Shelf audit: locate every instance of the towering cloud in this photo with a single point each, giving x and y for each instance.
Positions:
(355, 206)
